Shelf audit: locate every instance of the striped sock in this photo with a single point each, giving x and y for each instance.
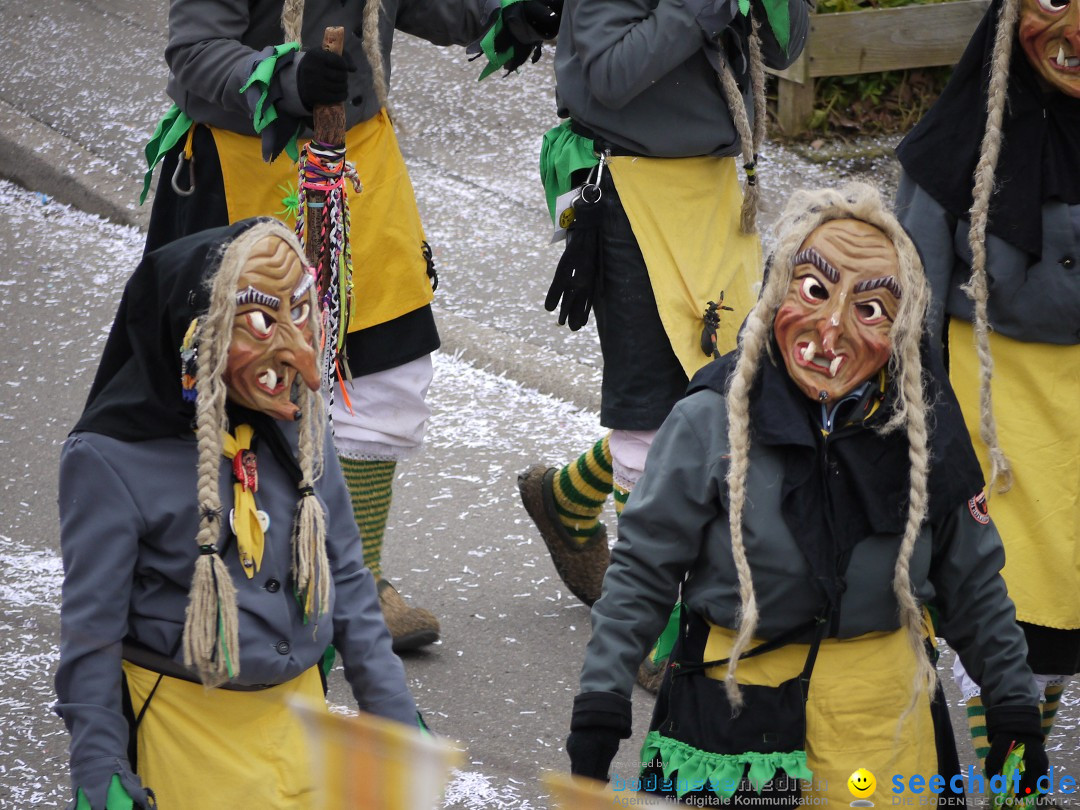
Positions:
(620, 495)
(976, 717)
(370, 488)
(1050, 706)
(580, 489)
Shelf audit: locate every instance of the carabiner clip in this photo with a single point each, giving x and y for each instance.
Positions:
(181, 160)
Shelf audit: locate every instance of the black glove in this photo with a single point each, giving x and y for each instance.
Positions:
(599, 721)
(1007, 726)
(581, 269)
(525, 25)
(322, 78)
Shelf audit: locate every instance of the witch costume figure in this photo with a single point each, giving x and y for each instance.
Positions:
(806, 500)
(210, 553)
(990, 193)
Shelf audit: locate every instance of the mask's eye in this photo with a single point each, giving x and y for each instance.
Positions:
(300, 313)
(870, 312)
(259, 323)
(1054, 6)
(812, 289)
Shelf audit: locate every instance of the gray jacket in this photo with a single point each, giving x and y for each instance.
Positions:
(128, 521)
(1030, 300)
(643, 73)
(676, 526)
(215, 44)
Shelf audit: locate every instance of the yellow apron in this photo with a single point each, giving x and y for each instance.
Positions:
(200, 748)
(858, 690)
(1036, 391)
(389, 271)
(685, 216)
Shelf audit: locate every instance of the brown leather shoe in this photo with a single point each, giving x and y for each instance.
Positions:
(581, 566)
(651, 673)
(411, 628)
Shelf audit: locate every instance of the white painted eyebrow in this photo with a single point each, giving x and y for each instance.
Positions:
(302, 288)
(888, 282)
(253, 296)
(811, 256)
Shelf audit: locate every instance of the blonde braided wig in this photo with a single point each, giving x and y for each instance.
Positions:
(211, 640)
(806, 211)
(976, 286)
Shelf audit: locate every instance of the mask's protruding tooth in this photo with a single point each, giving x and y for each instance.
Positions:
(808, 352)
(835, 365)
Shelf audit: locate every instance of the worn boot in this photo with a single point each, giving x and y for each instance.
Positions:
(411, 628)
(581, 565)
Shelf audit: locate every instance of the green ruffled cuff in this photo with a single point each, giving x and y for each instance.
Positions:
(562, 153)
(116, 799)
(265, 112)
(487, 44)
(170, 129)
(722, 773)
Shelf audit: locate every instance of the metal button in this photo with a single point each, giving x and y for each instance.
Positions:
(273, 585)
(282, 647)
(1068, 262)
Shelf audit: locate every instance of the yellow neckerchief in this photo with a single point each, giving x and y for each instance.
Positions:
(245, 517)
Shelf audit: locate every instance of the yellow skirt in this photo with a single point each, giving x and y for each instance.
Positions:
(685, 216)
(200, 748)
(858, 691)
(1036, 389)
(389, 271)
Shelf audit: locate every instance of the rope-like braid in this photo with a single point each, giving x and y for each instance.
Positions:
(750, 138)
(976, 286)
(292, 20)
(373, 48)
(211, 638)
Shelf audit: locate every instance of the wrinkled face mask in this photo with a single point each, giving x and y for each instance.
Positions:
(271, 350)
(834, 325)
(1049, 33)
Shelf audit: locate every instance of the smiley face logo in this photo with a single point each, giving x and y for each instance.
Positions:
(862, 785)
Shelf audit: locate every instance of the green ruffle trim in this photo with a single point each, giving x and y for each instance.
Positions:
(487, 44)
(116, 799)
(721, 772)
(170, 129)
(266, 113)
(562, 153)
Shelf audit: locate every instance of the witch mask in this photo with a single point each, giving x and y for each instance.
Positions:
(834, 325)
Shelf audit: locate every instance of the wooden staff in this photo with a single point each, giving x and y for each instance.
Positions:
(329, 129)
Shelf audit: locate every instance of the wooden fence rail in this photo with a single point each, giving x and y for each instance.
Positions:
(868, 41)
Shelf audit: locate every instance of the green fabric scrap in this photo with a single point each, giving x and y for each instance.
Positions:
(487, 43)
(562, 153)
(116, 799)
(721, 772)
(776, 11)
(265, 112)
(170, 129)
(666, 643)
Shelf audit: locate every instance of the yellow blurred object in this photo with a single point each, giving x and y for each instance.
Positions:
(364, 761)
(581, 793)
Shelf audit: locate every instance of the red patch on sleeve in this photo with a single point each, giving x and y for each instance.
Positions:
(978, 508)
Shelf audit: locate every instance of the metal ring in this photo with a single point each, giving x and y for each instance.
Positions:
(591, 187)
(191, 177)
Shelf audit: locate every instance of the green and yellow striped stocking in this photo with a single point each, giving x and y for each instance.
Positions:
(580, 489)
(370, 489)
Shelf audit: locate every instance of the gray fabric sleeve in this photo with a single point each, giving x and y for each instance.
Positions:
(624, 48)
(99, 540)
(799, 20)
(374, 672)
(977, 616)
(932, 229)
(660, 534)
(446, 23)
(208, 59)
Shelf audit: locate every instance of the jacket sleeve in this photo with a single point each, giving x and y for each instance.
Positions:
(459, 22)
(933, 230)
(775, 56)
(374, 672)
(99, 540)
(977, 616)
(208, 59)
(624, 50)
(661, 531)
